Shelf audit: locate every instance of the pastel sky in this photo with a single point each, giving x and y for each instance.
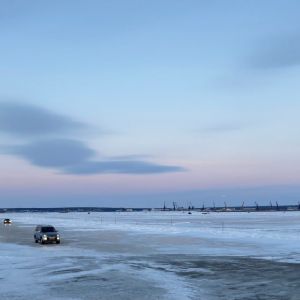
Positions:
(133, 102)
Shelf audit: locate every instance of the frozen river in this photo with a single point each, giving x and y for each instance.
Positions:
(153, 255)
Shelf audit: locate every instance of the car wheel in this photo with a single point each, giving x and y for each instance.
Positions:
(57, 242)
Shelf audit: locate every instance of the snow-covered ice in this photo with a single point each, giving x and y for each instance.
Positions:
(153, 255)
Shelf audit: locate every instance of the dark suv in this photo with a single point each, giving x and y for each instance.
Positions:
(46, 234)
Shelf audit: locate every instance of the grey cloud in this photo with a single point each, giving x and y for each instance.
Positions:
(223, 127)
(26, 120)
(63, 154)
(53, 153)
(119, 166)
(74, 157)
(130, 157)
(278, 52)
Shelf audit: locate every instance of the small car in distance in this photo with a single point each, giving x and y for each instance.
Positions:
(46, 234)
(7, 221)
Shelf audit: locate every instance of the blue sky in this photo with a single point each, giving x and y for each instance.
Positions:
(128, 103)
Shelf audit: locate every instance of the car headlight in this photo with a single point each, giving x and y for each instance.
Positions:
(58, 237)
(44, 236)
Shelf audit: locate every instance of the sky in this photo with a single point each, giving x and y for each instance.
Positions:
(136, 103)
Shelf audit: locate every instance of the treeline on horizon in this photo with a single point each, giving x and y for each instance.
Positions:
(122, 209)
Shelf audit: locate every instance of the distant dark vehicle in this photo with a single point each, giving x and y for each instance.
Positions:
(7, 221)
(46, 234)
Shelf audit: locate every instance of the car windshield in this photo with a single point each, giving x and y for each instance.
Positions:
(48, 229)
